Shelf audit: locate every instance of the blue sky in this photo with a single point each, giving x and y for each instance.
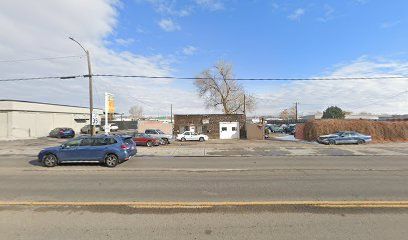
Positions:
(264, 38)
(261, 38)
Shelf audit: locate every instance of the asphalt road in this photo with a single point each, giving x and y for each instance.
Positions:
(209, 179)
(205, 179)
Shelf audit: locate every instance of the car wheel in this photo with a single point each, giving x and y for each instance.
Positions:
(360, 142)
(332, 142)
(149, 144)
(111, 160)
(167, 141)
(49, 160)
(183, 139)
(201, 139)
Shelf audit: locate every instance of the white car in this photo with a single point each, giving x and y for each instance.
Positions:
(113, 127)
(191, 136)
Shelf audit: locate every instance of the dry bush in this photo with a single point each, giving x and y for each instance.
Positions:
(379, 131)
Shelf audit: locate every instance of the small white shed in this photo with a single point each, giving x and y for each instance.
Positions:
(229, 130)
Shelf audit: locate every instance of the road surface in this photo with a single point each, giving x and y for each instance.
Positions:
(255, 198)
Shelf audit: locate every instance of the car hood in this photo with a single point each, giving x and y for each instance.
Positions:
(51, 148)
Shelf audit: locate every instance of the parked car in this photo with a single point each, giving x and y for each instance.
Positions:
(62, 133)
(145, 140)
(290, 129)
(275, 128)
(191, 136)
(87, 129)
(110, 150)
(157, 133)
(346, 137)
(112, 126)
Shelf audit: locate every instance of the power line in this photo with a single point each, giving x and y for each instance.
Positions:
(41, 78)
(37, 59)
(256, 79)
(193, 78)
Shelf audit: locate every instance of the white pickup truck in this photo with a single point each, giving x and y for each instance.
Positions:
(157, 133)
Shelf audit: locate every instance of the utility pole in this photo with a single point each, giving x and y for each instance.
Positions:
(90, 87)
(245, 118)
(171, 113)
(296, 111)
(244, 106)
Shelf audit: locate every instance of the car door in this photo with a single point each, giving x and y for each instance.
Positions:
(346, 138)
(194, 136)
(85, 149)
(187, 136)
(100, 146)
(354, 137)
(69, 150)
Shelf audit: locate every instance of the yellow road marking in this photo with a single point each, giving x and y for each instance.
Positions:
(175, 205)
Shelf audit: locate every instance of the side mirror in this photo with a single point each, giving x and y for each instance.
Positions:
(62, 146)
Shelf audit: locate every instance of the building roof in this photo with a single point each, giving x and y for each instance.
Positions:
(55, 104)
(30, 106)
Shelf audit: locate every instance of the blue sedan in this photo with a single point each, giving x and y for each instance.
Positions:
(347, 137)
(110, 150)
(62, 133)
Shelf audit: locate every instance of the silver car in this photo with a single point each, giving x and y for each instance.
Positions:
(346, 137)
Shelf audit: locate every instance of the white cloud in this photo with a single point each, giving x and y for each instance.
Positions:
(390, 24)
(33, 29)
(168, 25)
(213, 5)
(361, 1)
(376, 96)
(189, 50)
(124, 42)
(169, 8)
(297, 14)
(328, 13)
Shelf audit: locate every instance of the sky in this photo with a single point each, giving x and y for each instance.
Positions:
(261, 38)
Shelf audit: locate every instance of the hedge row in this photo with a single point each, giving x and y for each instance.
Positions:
(379, 131)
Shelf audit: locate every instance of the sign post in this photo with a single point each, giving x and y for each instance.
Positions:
(109, 108)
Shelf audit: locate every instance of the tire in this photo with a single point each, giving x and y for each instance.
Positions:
(332, 142)
(183, 139)
(49, 160)
(111, 160)
(201, 139)
(360, 142)
(149, 144)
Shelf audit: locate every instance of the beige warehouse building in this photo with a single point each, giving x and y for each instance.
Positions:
(24, 119)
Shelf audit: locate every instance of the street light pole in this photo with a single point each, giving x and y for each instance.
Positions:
(90, 86)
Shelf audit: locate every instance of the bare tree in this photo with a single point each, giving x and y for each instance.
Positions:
(287, 114)
(136, 112)
(219, 89)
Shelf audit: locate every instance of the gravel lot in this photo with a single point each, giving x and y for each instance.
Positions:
(215, 147)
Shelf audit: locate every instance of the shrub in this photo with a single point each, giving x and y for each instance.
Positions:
(379, 131)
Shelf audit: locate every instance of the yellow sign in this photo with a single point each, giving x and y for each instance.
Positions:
(109, 103)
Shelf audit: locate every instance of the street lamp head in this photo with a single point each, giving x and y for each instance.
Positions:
(71, 38)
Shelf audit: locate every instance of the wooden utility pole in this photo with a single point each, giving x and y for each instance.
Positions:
(171, 113)
(296, 111)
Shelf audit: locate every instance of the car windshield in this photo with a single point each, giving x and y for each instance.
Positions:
(159, 131)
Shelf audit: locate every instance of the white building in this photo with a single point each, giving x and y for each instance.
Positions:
(24, 119)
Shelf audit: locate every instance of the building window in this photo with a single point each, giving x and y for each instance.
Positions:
(224, 129)
(234, 129)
